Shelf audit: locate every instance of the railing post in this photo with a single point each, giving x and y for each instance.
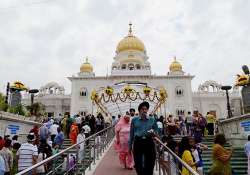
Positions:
(94, 154)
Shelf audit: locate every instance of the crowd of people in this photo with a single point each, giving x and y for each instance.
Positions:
(47, 140)
(135, 133)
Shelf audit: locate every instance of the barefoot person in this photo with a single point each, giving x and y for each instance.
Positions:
(142, 130)
(122, 131)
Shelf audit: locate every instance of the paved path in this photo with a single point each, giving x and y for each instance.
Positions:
(110, 165)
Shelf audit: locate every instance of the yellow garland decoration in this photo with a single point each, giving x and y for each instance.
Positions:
(147, 90)
(109, 91)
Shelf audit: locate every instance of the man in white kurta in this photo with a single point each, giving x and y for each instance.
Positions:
(81, 138)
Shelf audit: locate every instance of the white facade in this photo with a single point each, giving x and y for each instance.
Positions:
(131, 64)
(53, 97)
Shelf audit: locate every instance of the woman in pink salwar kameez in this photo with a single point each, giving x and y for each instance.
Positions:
(122, 130)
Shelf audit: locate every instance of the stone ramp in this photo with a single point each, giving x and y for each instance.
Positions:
(110, 165)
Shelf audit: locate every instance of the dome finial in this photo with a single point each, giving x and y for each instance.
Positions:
(86, 59)
(174, 58)
(130, 28)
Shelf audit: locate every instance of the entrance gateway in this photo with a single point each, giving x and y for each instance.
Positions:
(119, 98)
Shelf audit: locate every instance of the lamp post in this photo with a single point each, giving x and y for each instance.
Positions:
(227, 88)
(33, 92)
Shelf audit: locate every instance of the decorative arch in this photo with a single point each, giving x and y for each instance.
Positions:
(83, 92)
(210, 86)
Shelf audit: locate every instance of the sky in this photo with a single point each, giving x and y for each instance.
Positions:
(47, 40)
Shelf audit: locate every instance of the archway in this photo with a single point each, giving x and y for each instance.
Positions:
(119, 98)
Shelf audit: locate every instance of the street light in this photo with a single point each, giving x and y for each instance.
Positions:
(227, 88)
(33, 92)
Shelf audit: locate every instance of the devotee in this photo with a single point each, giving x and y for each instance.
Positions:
(202, 122)
(171, 125)
(53, 131)
(87, 129)
(92, 124)
(189, 123)
(247, 151)
(143, 129)
(122, 130)
(7, 155)
(73, 133)
(1, 142)
(69, 122)
(221, 157)
(14, 140)
(2, 165)
(211, 119)
(15, 148)
(64, 126)
(185, 154)
(44, 132)
(27, 154)
(197, 149)
(132, 112)
(35, 130)
(80, 139)
(59, 139)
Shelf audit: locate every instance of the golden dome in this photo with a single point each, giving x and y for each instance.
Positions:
(175, 66)
(130, 42)
(86, 67)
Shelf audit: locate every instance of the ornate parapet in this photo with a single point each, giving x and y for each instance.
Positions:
(236, 129)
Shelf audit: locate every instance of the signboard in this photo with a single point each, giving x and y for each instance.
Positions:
(246, 98)
(245, 125)
(13, 129)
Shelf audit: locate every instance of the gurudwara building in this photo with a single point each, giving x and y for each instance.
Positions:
(131, 65)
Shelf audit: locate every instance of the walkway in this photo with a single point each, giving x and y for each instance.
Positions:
(110, 164)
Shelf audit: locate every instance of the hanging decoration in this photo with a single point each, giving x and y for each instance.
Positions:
(128, 93)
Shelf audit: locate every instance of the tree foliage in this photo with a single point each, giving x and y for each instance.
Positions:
(3, 105)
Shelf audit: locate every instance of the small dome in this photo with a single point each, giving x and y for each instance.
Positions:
(130, 42)
(175, 66)
(86, 67)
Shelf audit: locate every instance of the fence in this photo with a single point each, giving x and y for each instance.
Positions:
(168, 163)
(76, 158)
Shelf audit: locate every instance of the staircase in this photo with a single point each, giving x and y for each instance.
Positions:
(238, 160)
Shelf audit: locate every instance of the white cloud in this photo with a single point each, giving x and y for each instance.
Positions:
(43, 41)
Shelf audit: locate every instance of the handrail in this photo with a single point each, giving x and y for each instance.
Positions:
(62, 152)
(176, 157)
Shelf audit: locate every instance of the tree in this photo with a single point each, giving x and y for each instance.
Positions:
(19, 109)
(36, 109)
(3, 105)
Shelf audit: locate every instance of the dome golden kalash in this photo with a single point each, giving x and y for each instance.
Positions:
(130, 42)
(175, 66)
(86, 67)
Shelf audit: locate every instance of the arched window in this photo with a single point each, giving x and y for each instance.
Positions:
(179, 91)
(124, 66)
(138, 66)
(180, 112)
(131, 66)
(83, 92)
(114, 67)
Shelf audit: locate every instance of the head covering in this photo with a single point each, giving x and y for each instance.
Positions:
(30, 137)
(143, 104)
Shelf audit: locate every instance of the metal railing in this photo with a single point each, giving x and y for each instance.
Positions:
(168, 163)
(76, 158)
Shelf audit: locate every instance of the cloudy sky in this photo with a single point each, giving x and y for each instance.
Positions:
(47, 40)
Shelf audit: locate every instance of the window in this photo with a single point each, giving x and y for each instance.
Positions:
(83, 92)
(114, 68)
(138, 66)
(180, 112)
(179, 91)
(131, 66)
(124, 66)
